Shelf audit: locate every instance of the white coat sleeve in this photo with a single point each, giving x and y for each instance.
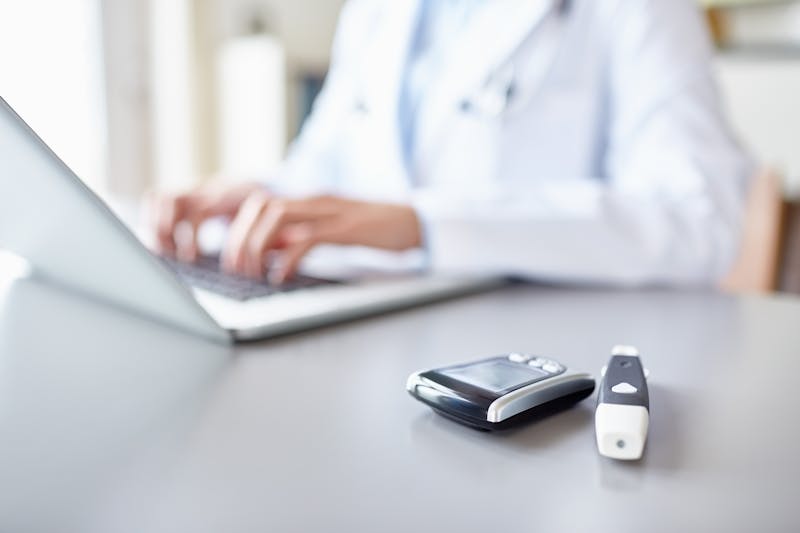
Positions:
(669, 207)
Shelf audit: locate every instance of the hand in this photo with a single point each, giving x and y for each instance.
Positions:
(294, 227)
(168, 211)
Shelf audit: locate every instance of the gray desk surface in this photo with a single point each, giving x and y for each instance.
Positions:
(109, 423)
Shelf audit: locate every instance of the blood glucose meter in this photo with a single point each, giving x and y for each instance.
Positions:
(500, 392)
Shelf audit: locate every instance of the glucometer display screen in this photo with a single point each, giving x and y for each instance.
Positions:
(494, 376)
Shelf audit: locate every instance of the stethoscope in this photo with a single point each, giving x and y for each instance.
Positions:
(498, 92)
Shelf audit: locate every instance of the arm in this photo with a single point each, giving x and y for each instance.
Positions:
(670, 209)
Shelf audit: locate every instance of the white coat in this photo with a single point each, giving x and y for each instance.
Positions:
(576, 141)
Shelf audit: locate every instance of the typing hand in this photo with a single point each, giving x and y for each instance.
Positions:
(266, 224)
(172, 212)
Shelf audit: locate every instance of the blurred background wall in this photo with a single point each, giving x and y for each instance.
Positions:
(136, 94)
(759, 68)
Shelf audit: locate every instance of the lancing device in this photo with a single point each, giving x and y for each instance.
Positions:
(623, 406)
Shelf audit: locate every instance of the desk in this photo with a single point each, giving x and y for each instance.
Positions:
(110, 423)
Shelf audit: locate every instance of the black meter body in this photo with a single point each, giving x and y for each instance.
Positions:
(500, 392)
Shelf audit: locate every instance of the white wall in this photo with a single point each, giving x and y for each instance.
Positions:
(162, 82)
(766, 24)
(306, 27)
(761, 81)
(187, 143)
(51, 73)
(763, 98)
(127, 77)
(175, 90)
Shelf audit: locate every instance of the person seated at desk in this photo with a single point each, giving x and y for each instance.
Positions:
(567, 141)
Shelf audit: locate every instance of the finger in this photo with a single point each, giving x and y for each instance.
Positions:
(193, 210)
(263, 237)
(300, 239)
(213, 200)
(266, 234)
(184, 237)
(245, 220)
(291, 258)
(168, 213)
(202, 210)
(218, 201)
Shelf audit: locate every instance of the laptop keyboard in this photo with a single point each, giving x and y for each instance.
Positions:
(205, 273)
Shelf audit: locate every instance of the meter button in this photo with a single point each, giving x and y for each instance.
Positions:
(537, 362)
(624, 388)
(551, 367)
(518, 358)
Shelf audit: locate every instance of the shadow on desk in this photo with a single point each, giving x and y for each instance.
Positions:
(539, 434)
(664, 446)
(543, 436)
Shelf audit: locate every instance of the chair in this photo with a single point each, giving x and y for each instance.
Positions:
(758, 267)
(790, 271)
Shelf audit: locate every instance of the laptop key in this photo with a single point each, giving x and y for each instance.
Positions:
(205, 273)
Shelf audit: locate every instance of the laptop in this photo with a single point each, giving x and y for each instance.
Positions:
(70, 237)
